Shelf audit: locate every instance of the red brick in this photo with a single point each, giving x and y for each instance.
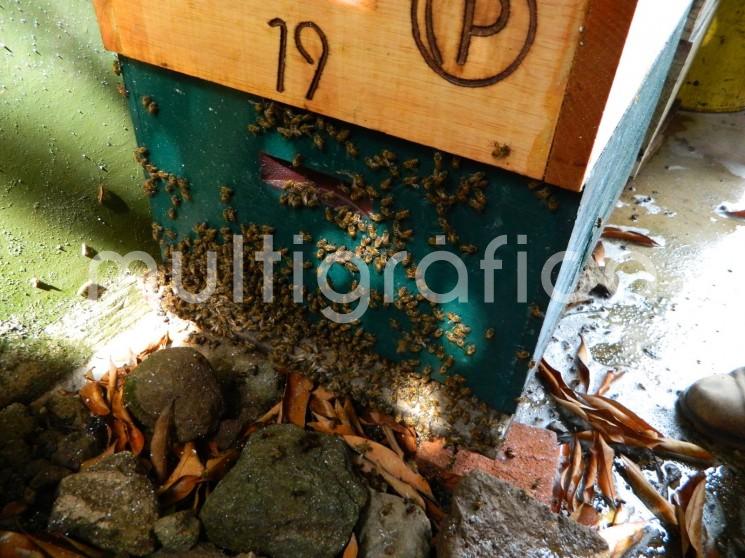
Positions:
(529, 459)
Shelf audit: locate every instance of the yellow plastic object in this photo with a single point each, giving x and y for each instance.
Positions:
(716, 81)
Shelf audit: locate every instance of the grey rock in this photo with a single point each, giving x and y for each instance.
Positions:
(489, 517)
(67, 411)
(178, 531)
(180, 375)
(26, 381)
(16, 422)
(393, 528)
(44, 475)
(77, 447)
(292, 493)
(251, 386)
(110, 505)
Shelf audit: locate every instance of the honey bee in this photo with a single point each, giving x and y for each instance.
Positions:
(351, 149)
(468, 249)
(411, 164)
(490, 333)
(229, 214)
(122, 90)
(254, 129)
(522, 355)
(116, 67)
(471, 350)
(342, 135)
(150, 187)
(226, 194)
(172, 213)
(175, 201)
(501, 150)
(297, 160)
(553, 204)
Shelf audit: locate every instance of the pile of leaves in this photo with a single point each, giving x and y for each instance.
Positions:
(185, 474)
(609, 433)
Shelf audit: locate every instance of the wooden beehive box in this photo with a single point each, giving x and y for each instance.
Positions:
(524, 85)
(559, 91)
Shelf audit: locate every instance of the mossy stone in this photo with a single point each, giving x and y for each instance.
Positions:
(181, 376)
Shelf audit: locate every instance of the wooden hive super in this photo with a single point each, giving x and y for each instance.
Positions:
(556, 91)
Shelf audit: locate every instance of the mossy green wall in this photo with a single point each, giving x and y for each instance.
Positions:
(64, 130)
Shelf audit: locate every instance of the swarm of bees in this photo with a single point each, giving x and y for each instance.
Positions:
(340, 356)
(343, 356)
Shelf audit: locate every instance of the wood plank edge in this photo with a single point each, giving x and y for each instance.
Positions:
(588, 89)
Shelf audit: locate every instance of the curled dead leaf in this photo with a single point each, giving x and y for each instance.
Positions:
(93, 398)
(403, 489)
(53, 550)
(621, 538)
(189, 465)
(629, 236)
(100, 457)
(388, 461)
(392, 442)
(694, 515)
(352, 548)
(658, 505)
(159, 442)
(180, 490)
(606, 481)
(10, 542)
(574, 475)
(583, 364)
(598, 254)
(610, 377)
(296, 399)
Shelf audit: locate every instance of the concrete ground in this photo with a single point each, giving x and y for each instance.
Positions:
(678, 313)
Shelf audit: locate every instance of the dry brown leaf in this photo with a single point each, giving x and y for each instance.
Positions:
(93, 398)
(572, 406)
(54, 550)
(322, 407)
(109, 451)
(574, 475)
(591, 476)
(189, 465)
(610, 377)
(121, 435)
(296, 398)
(583, 364)
(738, 214)
(10, 541)
(629, 236)
(435, 512)
(352, 548)
(352, 416)
(159, 442)
(271, 413)
(647, 493)
(586, 515)
(621, 538)
(606, 481)
(323, 394)
(218, 466)
(684, 450)
(388, 461)
(598, 254)
(403, 489)
(136, 439)
(84, 549)
(180, 490)
(12, 509)
(341, 414)
(407, 439)
(694, 515)
(392, 442)
(624, 416)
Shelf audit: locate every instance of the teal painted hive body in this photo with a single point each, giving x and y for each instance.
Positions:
(199, 132)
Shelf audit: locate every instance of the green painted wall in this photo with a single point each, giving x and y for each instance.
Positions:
(64, 130)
